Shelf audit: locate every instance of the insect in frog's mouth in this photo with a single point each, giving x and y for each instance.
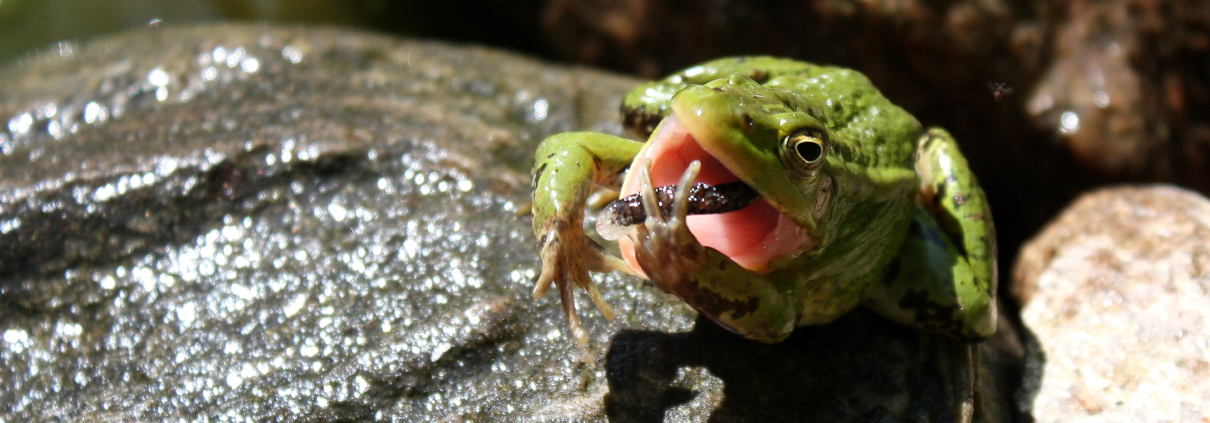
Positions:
(726, 213)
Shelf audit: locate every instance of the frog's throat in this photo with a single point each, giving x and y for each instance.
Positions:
(753, 236)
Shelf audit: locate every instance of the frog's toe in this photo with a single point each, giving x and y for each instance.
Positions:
(567, 258)
(573, 318)
(680, 202)
(550, 265)
(611, 263)
(662, 257)
(594, 293)
(664, 246)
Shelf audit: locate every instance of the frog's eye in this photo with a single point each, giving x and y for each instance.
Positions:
(807, 146)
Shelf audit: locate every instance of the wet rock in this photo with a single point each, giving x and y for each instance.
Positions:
(244, 222)
(1092, 96)
(1115, 291)
(1128, 89)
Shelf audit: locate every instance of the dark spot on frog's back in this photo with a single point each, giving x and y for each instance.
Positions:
(959, 200)
(816, 113)
(760, 76)
(717, 89)
(533, 184)
(928, 141)
(640, 121)
(845, 152)
(747, 122)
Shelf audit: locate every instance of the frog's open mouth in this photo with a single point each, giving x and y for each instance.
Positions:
(753, 235)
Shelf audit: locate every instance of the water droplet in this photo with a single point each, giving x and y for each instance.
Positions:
(1069, 123)
(157, 77)
(234, 380)
(10, 225)
(94, 112)
(1040, 104)
(219, 54)
(70, 329)
(209, 74)
(21, 124)
(292, 54)
(55, 129)
(540, 110)
(187, 313)
(439, 351)
(250, 65)
(338, 212)
(295, 305)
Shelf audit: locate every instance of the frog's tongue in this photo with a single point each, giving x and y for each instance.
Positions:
(752, 236)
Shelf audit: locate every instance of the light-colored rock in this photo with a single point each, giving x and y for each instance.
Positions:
(1117, 292)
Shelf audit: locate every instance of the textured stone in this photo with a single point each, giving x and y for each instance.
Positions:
(1115, 292)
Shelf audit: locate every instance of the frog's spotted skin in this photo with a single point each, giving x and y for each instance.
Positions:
(952, 215)
(857, 203)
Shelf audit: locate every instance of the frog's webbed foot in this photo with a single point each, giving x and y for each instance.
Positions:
(664, 246)
(567, 257)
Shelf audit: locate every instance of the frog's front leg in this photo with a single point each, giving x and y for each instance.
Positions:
(945, 278)
(745, 302)
(567, 168)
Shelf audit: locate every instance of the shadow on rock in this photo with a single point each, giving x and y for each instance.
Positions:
(860, 367)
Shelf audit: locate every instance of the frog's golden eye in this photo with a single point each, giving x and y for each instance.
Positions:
(807, 146)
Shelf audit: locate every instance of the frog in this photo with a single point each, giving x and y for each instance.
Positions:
(854, 203)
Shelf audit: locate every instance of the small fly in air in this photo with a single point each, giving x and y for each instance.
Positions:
(1000, 90)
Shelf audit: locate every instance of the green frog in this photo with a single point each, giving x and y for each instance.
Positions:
(852, 203)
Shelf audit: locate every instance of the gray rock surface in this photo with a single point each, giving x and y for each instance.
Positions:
(1115, 290)
(251, 223)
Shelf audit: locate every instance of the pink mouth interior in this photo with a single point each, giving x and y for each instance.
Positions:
(752, 236)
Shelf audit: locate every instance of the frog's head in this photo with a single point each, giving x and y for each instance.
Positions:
(810, 146)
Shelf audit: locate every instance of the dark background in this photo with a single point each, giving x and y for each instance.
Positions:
(27, 26)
